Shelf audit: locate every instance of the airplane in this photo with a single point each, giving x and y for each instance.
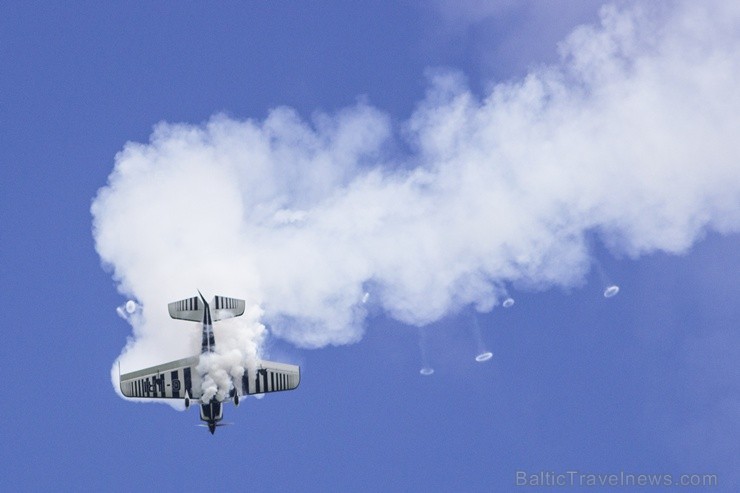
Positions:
(180, 379)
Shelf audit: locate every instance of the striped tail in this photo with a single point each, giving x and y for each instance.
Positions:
(208, 343)
(188, 309)
(224, 307)
(192, 308)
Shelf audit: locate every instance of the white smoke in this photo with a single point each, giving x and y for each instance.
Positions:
(632, 137)
(128, 311)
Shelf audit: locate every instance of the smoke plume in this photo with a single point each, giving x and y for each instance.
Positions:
(631, 138)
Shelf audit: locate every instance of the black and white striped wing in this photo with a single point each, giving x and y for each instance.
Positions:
(168, 381)
(270, 376)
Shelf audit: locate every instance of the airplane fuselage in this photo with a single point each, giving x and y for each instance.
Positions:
(212, 412)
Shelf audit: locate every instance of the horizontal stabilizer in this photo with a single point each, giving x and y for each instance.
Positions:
(224, 308)
(187, 309)
(192, 308)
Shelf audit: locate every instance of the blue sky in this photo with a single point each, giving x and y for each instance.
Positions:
(645, 382)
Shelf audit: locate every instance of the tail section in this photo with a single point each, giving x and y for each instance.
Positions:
(197, 309)
(192, 308)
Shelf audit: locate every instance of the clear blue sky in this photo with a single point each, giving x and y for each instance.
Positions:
(645, 382)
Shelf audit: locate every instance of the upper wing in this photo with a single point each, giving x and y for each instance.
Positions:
(270, 377)
(168, 381)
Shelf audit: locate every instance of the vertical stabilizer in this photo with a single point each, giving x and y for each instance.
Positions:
(208, 342)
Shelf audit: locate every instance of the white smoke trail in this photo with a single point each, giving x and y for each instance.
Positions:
(632, 137)
(426, 369)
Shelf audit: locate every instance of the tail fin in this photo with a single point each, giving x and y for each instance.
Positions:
(224, 307)
(192, 308)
